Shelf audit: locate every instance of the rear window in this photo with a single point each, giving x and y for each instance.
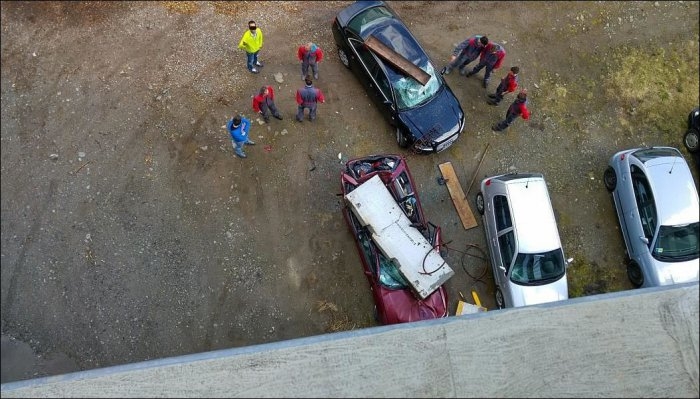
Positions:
(651, 153)
(367, 17)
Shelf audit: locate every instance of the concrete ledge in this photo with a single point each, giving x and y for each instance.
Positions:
(640, 343)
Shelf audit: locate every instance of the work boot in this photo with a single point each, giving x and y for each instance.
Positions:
(470, 73)
(491, 101)
(278, 116)
(496, 127)
(486, 83)
(241, 154)
(316, 76)
(249, 142)
(258, 64)
(266, 119)
(492, 95)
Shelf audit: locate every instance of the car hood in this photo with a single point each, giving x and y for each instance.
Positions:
(401, 306)
(525, 295)
(677, 272)
(435, 117)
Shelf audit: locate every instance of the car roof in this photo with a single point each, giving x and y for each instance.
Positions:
(392, 32)
(674, 193)
(532, 214)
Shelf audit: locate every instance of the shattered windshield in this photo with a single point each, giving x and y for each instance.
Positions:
(410, 93)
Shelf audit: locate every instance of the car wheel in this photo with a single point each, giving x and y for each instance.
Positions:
(691, 140)
(499, 299)
(480, 203)
(401, 138)
(610, 178)
(343, 58)
(634, 273)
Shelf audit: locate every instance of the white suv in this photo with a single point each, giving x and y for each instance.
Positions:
(521, 233)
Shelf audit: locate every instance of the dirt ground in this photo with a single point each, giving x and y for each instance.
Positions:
(130, 231)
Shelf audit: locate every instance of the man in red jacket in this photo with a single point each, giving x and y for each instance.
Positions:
(508, 85)
(518, 108)
(308, 97)
(491, 58)
(309, 54)
(264, 103)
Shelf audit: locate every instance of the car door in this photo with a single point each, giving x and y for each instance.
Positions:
(643, 220)
(504, 246)
(630, 213)
(375, 81)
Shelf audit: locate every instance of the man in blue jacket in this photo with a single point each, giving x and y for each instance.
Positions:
(239, 127)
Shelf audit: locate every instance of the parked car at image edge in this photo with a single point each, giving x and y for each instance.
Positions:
(690, 139)
(428, 118)
(394, 300)
(524, 246)
(657, 207)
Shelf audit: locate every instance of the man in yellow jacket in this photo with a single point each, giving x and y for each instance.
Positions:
(252, 42)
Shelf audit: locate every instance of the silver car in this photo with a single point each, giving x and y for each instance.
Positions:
(657, 206)
(521, 233)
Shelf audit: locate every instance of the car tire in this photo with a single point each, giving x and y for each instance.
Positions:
(610, 179)
(343, 58)
(480, 203)
(634, 273)
(401, 138)
(691, 140)
(500, 302)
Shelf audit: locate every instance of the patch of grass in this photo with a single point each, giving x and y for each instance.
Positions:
(588, 278)
(656, 87)
(646, 89)
(338, 321)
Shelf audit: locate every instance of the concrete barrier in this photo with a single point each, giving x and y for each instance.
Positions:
(640, 343)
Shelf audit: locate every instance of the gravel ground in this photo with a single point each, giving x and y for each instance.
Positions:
(131, 232)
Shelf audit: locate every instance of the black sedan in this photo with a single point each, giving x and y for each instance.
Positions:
(375, 44)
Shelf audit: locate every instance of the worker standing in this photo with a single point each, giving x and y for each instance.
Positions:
(518, 108)
(491, 59)
(308, 97)
(508, 85)
(310, 55)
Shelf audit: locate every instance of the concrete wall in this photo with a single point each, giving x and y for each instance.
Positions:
(641, 343)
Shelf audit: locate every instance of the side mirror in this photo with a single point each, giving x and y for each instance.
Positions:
(568, 262)
(503, 269)
(644, 240)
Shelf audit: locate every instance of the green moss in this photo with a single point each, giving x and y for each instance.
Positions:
(647, 88)
(588, 278)
(656, 87)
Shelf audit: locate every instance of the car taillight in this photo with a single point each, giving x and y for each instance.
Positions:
(488, 182)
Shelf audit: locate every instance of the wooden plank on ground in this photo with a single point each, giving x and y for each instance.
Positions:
(397, 60)
(458, 198)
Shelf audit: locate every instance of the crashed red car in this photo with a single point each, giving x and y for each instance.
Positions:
(395, 301)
